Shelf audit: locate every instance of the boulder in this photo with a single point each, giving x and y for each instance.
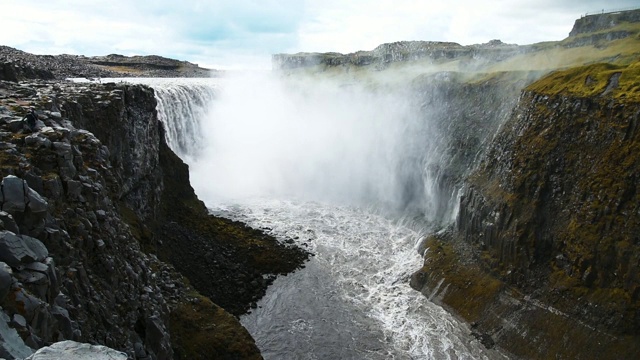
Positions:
(11, 345)
(13, 189)
(77, 351)
(9, 223)
(17, 250)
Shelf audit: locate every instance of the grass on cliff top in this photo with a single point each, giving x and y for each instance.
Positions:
(593, 80)
(552, 55)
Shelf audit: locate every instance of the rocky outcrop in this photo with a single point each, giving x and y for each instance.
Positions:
(16, 65)
(545, 246)
(75, 271)
(598, 22)
(85, 216)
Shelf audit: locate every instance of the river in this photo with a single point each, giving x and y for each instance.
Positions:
(341, 170)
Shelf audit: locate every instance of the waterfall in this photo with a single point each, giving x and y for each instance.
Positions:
(319, 141)
(182, 101)
(347, 170)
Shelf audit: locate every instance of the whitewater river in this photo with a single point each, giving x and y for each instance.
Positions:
(254, 142)
(352, 300)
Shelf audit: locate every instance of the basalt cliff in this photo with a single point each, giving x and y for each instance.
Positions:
(103, 240)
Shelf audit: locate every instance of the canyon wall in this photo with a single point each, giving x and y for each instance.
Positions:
(544, 256)
(97, 214)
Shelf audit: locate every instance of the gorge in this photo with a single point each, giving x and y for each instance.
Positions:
(458, 203)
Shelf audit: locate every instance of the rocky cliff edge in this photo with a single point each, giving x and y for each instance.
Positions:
(96, 225)
(545, 256)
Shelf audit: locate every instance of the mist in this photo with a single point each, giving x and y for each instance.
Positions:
(267, 135)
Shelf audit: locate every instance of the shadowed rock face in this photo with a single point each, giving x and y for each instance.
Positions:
(546, 238)
(82, 213)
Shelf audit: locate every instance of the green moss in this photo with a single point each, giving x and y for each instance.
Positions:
(592, 81)
(201, 330)
(469, 289)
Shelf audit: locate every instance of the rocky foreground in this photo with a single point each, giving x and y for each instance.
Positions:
(102, 239)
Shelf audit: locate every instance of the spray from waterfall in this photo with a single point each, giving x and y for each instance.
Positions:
(261, 135)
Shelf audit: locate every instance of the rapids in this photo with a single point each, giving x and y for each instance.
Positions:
(341, 170)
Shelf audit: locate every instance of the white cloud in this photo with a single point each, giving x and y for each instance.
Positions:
(232, 33)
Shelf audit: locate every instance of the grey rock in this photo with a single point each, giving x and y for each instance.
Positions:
(9, 223)
(157, 338)
(54, 287)
(37, 266)
(5, 280)
(74, 189)
(13, 189)
(34, 181)
(52, 188)
(11, 345)
(36, 140)
(37, 204)
(16, 250)
(63, 149)
(15, 125)
(19, 321)
(65, 324)
(78, 351)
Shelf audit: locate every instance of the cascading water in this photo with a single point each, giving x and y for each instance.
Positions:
(334, 166)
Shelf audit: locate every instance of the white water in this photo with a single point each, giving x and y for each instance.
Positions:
(353, 300)
(321, 164)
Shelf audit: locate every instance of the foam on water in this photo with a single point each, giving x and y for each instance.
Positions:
(340, 151)
(368, 259)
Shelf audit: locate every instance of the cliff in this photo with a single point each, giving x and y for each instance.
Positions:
(545, 251)
(598, 22)
(403, 51)
(87, 217)
(450, 148)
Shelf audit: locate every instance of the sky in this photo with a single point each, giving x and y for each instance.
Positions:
(229, 34)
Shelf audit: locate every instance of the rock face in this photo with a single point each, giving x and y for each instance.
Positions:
(402, 51)
(545, 246)
(597, 22)
(478, 108)
(85, 216)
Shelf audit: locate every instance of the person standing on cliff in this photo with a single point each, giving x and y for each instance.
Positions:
(31, 119)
